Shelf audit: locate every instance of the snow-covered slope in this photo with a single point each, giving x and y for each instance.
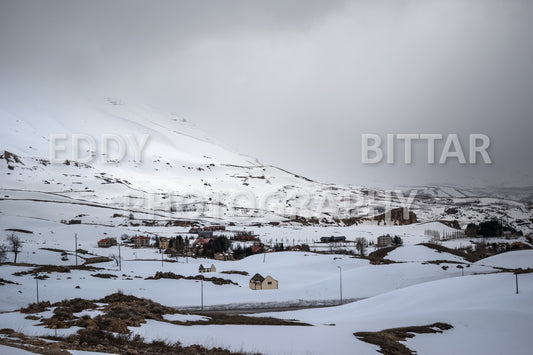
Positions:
(520, 259)
(486, 314)
(185, 174)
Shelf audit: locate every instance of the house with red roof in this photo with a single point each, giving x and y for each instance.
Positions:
(107, 242)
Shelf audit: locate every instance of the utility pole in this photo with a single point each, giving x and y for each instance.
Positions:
(340, 282)
(516, 277)
(76, 247)
(37, 287)
(119, 258)
(161, 250)
(202, 293)
(264, 256)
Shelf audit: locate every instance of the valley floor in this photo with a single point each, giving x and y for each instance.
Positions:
(419, 287)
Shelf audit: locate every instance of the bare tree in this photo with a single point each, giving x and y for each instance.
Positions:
(3, 252)
(361, 244)
(115, 258)
(14, 244)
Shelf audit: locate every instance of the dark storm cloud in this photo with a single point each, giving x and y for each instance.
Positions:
(296, 83)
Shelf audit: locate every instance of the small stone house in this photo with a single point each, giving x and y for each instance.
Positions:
(203, 269)
(384, 241)
(258, 282)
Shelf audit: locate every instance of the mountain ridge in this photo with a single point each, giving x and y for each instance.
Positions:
(185, 174)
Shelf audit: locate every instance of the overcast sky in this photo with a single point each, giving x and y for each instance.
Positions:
(296, 83)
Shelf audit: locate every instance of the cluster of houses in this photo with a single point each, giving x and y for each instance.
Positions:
(244, 236)
(205, 235)
(163, 243)
(137, 241)
(257, 282)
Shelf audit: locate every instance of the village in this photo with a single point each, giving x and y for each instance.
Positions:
(220, 244)
(215, 242)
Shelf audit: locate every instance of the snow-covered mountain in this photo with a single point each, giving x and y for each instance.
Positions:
(185, 175)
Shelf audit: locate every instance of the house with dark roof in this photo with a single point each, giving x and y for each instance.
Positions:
(258, 282)
(203, 269)
(333, 239)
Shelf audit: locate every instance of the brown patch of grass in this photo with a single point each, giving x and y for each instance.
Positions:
(32, 317)
(468, 257)
(123, 311)
(18, 230)
(76, 305)
(378, 256)
(104, 276)
(36, 307)
(438, 262)
(238, 319)
(170, 275)
(54, 268)
(3, 282)
(96, 340)
(96, 259)
(109, 332)
(235, 272)
(389, 339)
(54, 250)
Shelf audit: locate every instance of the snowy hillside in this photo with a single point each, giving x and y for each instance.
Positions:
(186, 175)
(484, 312)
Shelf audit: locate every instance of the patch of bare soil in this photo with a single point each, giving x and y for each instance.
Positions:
(54, 268)
(389, 339)
(100, 341)
(170, 275)
(3, 282)
(442, 249)
(238, 319)
(109, 331)
(122, 311)
(229, 272)
(36, 307)
(96, 259)
(438, 262)
(104, 276)
(377, 257)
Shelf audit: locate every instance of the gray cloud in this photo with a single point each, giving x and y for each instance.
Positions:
(295, 83)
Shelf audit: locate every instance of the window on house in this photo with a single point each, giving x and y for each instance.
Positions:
(269, 282)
